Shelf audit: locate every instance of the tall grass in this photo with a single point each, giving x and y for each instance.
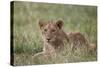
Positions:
(27, 35)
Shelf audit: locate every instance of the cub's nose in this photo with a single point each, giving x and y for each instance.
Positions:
(48, 39)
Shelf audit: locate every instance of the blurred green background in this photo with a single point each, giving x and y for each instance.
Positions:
(27, 35)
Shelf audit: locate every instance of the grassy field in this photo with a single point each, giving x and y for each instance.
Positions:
(27, 35)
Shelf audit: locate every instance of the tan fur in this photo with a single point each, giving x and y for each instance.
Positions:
(77, 40)
(54, 38)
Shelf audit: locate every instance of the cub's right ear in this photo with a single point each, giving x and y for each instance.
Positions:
(41, 24)
(59, 23)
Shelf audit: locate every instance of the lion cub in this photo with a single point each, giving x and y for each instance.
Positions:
(54, 38)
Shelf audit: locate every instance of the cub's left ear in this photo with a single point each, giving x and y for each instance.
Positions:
(59, 23)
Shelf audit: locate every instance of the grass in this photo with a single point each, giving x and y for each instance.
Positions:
(27, 35)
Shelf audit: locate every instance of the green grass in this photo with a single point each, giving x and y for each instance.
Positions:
(27, 35)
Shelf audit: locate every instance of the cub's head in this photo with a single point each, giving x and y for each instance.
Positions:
(50, 30)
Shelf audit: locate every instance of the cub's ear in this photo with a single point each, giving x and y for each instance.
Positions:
(59, 23)
(41, 23)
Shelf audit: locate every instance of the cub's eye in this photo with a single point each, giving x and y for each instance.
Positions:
(45, 30)
(53, 30)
